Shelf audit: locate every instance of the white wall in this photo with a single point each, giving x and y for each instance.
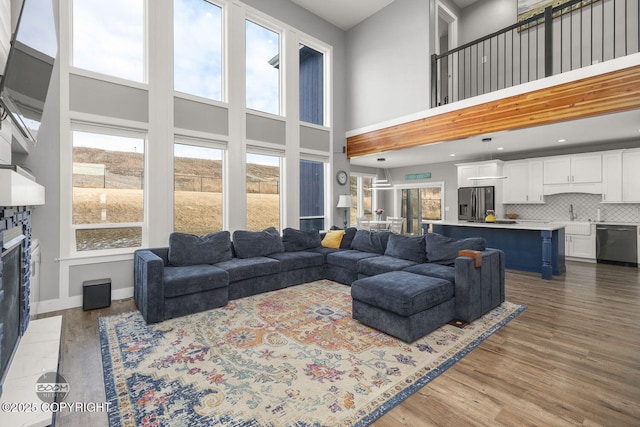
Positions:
(485, 17)
(388, 66)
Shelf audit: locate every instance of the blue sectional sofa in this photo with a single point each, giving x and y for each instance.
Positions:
(197, 273)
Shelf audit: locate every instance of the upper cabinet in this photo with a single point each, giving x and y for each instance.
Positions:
(580, 173)
(479, 173)
(612, 177)
(631, 176)
(524, 181)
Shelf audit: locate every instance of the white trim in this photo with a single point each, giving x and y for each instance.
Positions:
(199, 99)
(90, 123)
(48, 306)
(95, 75)
(193, 136)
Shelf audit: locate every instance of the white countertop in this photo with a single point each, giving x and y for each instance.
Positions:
(519, 225)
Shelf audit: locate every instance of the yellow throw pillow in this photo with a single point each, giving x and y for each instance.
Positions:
(333, 239)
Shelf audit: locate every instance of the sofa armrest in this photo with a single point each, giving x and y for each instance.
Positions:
(479, 289)
(148, 282)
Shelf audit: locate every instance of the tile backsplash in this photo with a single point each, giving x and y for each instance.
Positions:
(585, 206)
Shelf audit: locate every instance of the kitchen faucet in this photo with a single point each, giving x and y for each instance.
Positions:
(572, 216)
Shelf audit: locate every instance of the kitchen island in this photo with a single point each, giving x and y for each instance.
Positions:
(528, 246)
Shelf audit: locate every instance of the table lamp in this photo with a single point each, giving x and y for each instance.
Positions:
(344, 202)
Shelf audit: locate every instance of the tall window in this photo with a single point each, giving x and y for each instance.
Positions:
(263, 192)
(197, 197)
(198, 48)
(108, 191)
(361, 197)
(311, 85)
(311, 195)
(263, 68)
(109, 37)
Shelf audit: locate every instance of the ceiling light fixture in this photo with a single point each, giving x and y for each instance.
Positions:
(561, 140)
(382, 183)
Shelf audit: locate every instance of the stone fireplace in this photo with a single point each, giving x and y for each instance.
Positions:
(15, 236)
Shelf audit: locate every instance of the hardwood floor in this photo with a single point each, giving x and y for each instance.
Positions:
(572, 358)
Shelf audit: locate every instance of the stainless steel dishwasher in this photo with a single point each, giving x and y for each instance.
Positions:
(617, 244)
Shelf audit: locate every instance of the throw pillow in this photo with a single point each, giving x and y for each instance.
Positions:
(249, 244)
(444, 250)
(333, 239)
(298, 240)
(188, 249)
(372, 242)
(406, 247)
(349, 234)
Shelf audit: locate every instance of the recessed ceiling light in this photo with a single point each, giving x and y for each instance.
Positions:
(452, 155)
(562, 140)
(500, 148)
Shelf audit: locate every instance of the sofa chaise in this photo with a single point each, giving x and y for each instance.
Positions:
(402, 285)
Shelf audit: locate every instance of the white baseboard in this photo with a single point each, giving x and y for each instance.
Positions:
(74, 302)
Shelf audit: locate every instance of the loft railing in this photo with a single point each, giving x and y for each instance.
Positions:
(559, 39)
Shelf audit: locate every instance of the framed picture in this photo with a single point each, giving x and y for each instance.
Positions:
(529, 8)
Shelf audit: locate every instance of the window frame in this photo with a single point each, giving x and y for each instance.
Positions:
(224, 93)
(115, 131)
(280, 155)
(74, 69)
(326, 76)
(271, 26)
(397, 195)
(210, 144)
(360, 192)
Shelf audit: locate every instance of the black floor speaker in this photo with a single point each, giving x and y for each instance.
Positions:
(96, 294)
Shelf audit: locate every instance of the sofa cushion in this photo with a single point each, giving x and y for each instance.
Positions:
(323, 251)
(193, 279)
(347, 259)
(188, 249)
(371, 241)
(445, 272)
(349, 234)
(299, 240)
(296, 260)
(444, 250)
(401, 292)
(406, 247)
(249, 244)
(332, 239)
(248, 268)
(382, 264)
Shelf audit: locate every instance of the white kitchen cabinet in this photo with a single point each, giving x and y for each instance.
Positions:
(582, 243)
(575, 169)
(612, 177)
(524, 182)
(468, 171)
(580, 173)
(631, 176)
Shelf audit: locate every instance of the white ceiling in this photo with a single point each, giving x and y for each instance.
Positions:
(535, 140)
(346, 14)
(343, 14)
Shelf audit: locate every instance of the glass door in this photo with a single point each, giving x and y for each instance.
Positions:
(418, 204)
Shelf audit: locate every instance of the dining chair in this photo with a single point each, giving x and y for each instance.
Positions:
(396, 224)
(363, 223)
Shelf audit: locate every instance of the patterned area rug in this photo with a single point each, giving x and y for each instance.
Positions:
(292, 357)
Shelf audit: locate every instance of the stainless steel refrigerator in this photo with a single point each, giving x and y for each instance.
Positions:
(474, 202)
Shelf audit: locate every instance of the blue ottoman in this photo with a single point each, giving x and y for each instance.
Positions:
(402, 304)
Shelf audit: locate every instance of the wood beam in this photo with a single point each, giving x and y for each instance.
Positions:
(603, 94)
